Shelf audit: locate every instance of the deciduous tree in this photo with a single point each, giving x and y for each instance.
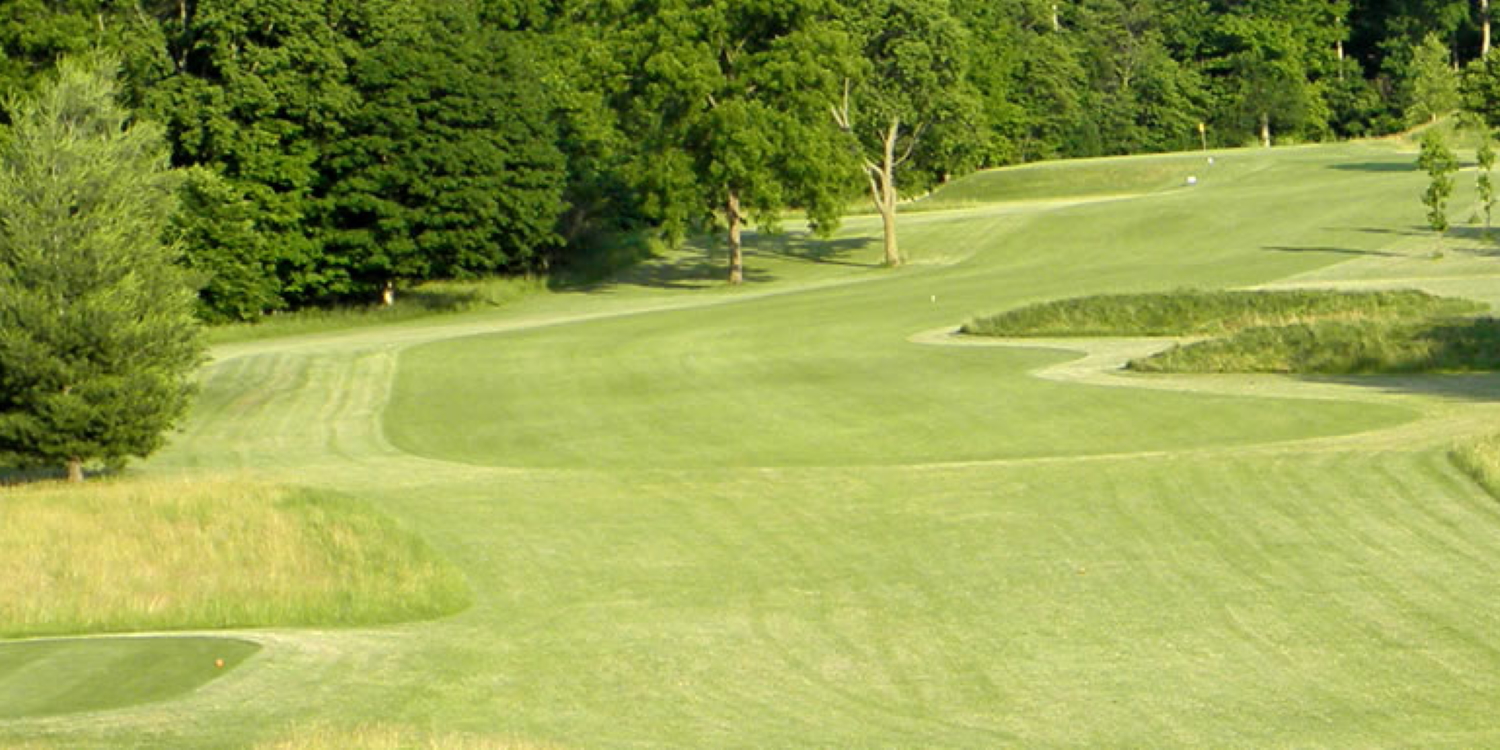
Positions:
(448, 166)
(728, 103)
(1434, 83)
(1439, 162)
(1484, 185)
(910, 89)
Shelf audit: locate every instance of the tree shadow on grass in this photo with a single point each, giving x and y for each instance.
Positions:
(11, 476)
(1412, 231)
(681, 271)
(1333, 250)
(1477, 235)
(805, 248)
(1478, 387)
(1377, 166)
(704, 262)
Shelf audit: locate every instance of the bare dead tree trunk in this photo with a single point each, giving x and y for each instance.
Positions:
(885, 194)
(736, 253)
(1265, 129)
(1484, 28)
(882, 173)
(75, 470)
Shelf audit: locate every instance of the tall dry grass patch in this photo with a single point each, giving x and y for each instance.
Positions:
(126, 556)
(1480, 459)
(388, 738)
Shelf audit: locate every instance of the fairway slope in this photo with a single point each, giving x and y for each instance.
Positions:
(781, 517)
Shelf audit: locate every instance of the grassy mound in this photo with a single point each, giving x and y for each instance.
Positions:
(1209, 313)
(1068, 179)
(132, 556)
(1341, 348)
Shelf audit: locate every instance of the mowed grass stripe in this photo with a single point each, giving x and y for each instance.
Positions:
(1185, 598)
(53, 677)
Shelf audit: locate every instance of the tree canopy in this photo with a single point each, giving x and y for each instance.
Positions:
(343, 146)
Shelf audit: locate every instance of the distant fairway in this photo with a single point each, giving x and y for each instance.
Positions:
(798, 514)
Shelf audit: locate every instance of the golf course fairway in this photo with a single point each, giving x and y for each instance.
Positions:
(801, 514)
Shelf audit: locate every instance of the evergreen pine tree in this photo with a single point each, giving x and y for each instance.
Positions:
(97, 335)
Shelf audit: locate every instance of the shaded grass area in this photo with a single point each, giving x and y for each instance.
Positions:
(1207, 313)
(44, 678)
(129, 556)
(428, 300)
(1341, 348)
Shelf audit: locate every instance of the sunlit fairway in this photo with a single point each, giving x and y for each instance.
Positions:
(799, 514)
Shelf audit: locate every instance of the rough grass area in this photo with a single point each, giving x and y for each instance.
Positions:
(382, 737)
(1341, 348)
(1209, 313)
(134, 556)
(1480, 459)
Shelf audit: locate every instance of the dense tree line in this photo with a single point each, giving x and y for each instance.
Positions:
(335, 148)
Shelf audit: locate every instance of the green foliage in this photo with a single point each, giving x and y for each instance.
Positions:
(729, 104)
(1195, 313)
(1141, 98)
(1434, 84)
(1479, 89)
(448, 167)
(1341, 348)
(231, 260)
(97, 338)
(908, 110)
(1484, 185)
(1263, 77)
(914, 74)
(1439, 162)
(262, 87)
(361, 142)
(35, 33)
(1030, 80)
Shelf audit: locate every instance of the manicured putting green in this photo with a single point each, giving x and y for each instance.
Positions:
(43, 678)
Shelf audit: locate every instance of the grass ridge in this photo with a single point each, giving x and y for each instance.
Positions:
(1196, 312)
